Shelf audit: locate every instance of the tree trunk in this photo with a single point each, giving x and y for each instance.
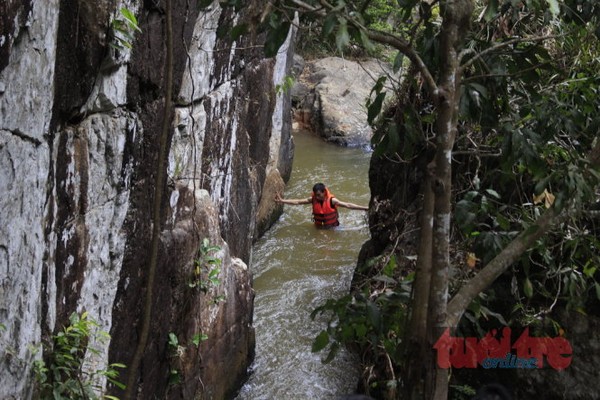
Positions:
(456, 17)
(416, 341)
(438, 293)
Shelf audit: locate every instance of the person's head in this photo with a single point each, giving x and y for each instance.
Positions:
(493, 391)
(319, 191)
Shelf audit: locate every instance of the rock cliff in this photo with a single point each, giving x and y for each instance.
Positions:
(80, 118)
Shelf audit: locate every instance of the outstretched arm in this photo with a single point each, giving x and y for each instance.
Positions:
(294, 202)
(351, 206)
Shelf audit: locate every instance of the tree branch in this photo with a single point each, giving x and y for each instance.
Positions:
(476, 77)
(499, 264)
(405, 48)
(308, 7)
(510, 254)
(497, 47)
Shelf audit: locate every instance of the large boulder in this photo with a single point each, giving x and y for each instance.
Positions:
(331, 95)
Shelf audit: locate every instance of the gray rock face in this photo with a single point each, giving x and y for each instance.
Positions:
(332, 94)
(79, 127)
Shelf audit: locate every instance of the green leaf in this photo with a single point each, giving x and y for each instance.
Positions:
(342, 38)
(275, 38)
(118, 384)
(589, 270)
(329, 24)
(361, 330)
(173, 341)
(398, 62)
(491, 10)
(198, 338)
(554, 8)
(366, 42)
(374, 316)
(528, 288)
(389, 268)
(133, 22)
(320, 342)
(375, 108)
(481, 89)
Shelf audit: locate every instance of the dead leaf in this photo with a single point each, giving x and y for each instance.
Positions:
(472, 260)
(546, 197)
(549, 199)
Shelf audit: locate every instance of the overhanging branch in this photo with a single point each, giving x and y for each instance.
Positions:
(400, 44)
(510, 254)
(405, 48)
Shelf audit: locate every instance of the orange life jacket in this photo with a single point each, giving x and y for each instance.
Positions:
(324, 213)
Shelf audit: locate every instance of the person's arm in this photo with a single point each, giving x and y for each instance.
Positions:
(351, 206)
(293, 202)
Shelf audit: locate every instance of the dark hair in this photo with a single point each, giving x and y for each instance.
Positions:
(493, 391)
(319, 187)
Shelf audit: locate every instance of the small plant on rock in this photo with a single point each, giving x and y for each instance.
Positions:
(62, 374)
(207, 268)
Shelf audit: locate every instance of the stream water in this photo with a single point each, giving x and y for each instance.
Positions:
(296, 268)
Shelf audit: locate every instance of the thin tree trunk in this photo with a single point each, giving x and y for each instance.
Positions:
(416, 347)
(438, 293)
(456, 16)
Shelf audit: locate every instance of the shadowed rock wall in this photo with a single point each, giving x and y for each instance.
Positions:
(79, 128)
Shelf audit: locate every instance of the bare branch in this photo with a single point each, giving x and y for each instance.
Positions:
(319, 11)
(499, 46)
(477, 153)
(476, 77)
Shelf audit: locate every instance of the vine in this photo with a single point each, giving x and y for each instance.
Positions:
(157, 206)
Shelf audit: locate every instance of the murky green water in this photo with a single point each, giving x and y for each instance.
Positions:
(297, 267)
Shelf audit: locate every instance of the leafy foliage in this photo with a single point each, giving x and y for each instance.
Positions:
(207, 268)
(124, 29)
(371, 323)
(544, 137)
(177, 352)
(63, 375)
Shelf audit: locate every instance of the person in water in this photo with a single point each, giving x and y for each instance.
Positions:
(324, 206)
